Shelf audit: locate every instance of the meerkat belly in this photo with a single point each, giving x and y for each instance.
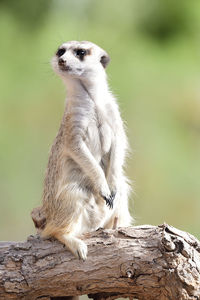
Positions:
(106, 136)
(99, 139)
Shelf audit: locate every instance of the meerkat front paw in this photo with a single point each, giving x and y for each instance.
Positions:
(109, 199)
(106, 194)
(113, 184)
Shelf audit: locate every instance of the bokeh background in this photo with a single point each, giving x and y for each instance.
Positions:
(155, 73)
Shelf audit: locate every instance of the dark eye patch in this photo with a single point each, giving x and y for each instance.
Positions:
(60, 52)
(80, 53)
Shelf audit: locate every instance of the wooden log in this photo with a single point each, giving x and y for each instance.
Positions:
(142, 262)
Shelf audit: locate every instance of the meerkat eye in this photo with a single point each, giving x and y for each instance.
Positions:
(80, 52)
(60, 52)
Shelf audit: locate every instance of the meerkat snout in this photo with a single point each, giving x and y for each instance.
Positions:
(61, 62)
(63, 65)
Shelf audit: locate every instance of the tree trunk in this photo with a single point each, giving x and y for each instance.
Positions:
(142, 262)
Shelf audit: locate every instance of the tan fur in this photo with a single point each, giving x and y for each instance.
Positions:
(85, 167)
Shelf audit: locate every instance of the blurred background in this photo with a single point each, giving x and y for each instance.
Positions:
(154, 72)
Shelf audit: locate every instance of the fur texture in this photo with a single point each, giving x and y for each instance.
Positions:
(85, 187)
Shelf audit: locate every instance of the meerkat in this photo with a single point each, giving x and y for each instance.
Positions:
(85, 187)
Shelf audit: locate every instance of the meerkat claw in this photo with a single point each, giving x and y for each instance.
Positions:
(109, 200)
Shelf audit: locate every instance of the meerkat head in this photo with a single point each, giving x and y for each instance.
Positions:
(79, 60)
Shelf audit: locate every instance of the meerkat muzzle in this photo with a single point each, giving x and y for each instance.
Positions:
(61, 61)
(62, 65)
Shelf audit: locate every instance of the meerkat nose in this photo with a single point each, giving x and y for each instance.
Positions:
(61, 62)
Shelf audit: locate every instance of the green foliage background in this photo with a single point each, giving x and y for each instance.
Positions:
(155, 73)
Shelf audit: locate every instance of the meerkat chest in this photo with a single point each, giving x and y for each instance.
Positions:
(100, 132)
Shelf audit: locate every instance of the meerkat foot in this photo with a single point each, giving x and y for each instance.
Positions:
(82, 250)
(74, 245)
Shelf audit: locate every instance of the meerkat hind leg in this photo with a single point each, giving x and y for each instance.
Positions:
(73, 244)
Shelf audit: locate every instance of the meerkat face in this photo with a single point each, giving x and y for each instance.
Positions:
(79, 60)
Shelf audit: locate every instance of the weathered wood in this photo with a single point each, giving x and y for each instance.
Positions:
(143, 262)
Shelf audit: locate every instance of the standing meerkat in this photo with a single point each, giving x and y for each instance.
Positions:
(85, 187)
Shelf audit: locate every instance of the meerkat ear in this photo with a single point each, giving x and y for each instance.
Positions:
(105, 58)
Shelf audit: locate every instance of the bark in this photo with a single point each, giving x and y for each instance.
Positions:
(142, 262)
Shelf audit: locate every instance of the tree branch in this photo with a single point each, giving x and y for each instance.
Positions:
(143, 262)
